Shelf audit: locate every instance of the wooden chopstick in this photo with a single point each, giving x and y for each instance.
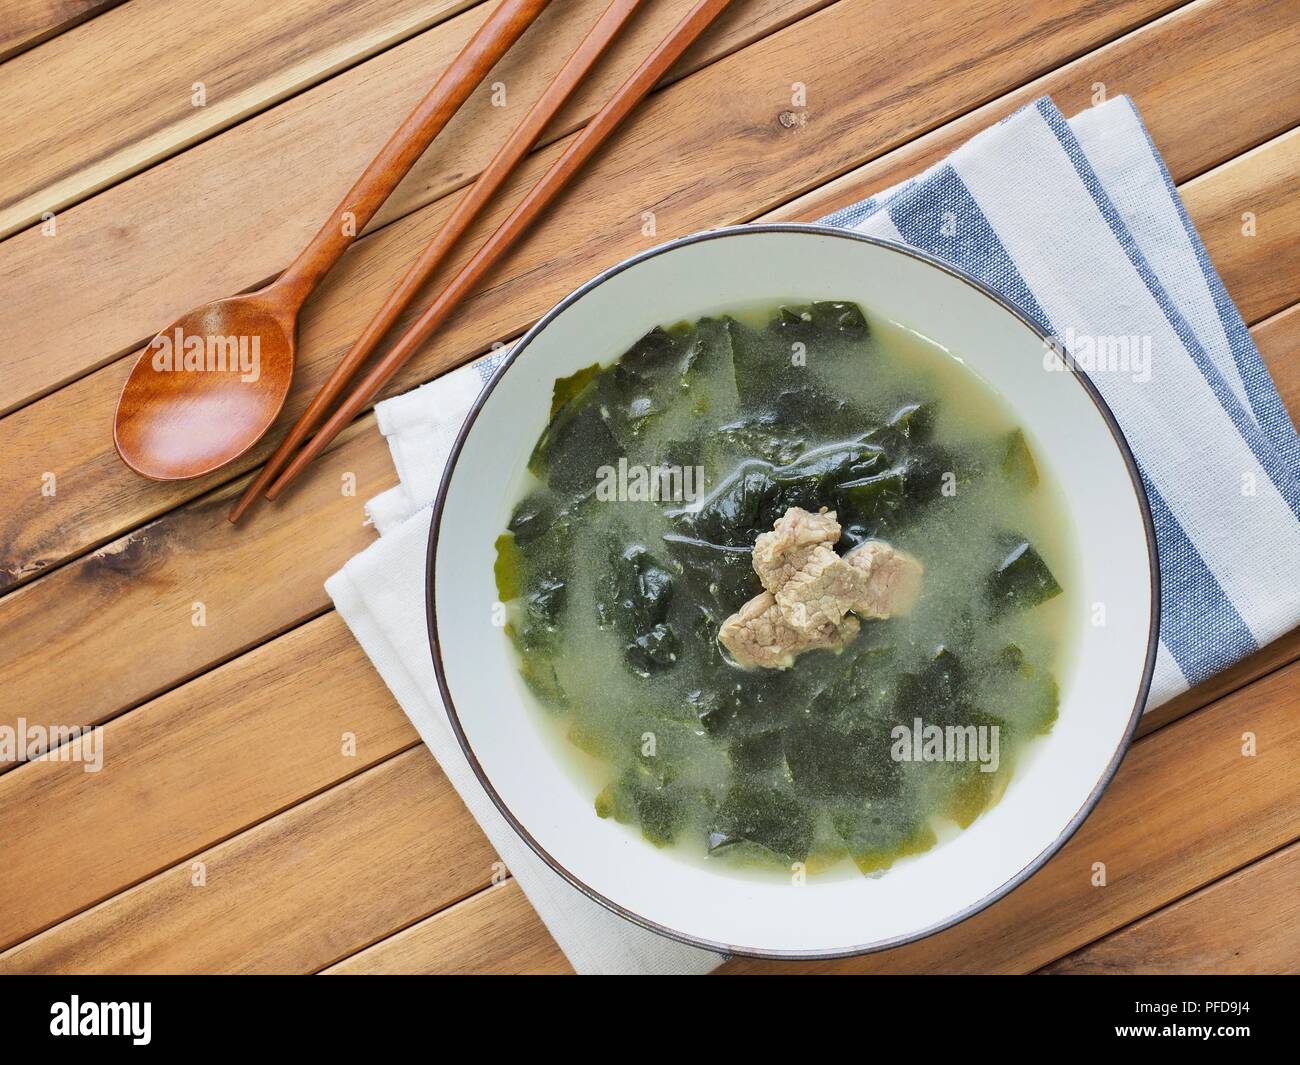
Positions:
(580, 149)
(593, 45)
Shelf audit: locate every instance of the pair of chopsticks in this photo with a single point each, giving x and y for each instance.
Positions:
(287, 461)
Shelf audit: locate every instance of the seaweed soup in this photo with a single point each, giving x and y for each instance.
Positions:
(630, 546)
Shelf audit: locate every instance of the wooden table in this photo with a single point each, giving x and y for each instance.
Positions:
(264, 804)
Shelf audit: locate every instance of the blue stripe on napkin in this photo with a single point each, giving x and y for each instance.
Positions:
(1250, 431)
(1216, 606)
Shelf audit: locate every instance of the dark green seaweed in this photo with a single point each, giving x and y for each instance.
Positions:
(804, 764)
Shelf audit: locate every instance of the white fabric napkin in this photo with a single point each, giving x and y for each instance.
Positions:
(1079, 225)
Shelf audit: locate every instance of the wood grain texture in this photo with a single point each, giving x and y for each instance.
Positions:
(1186, 808)
(203, 762)
(29, 22)
(99, 497)
(1278, 339)
(1211, 83)
(1245, 924)
(94, 613)
(1160, 830)
(121, 625)
(1207, 79)
(97, 105)
(299, 892)
(1251, 200)
(493, 933)
(233, 210)
(1154, 854)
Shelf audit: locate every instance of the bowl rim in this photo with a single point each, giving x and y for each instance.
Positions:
(1072, 826)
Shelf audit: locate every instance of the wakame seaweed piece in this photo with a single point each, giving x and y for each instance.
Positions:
(680, 454)
(508, 569)
(1018, 465)
(647, 361)
(913, 421)
(538, 572)
(576, 444)
(840, 318)
(832, 464)
(879, 834)
(1028, 700)
(731, 515)
(696, 624)
(1021, 579)
(778, 359)
(565, 388)
(758, 754)
(546, 599)
(764, 361)
(1011, 659)
(751, 703)
(655, 649)
(871, 500)
(767, 817)
(795, 321)
(538, 671)
(939, 692)
(973, 790)
(1044, 704)
(705, 351)
(644, 382)
(724, 575)
(647, 795)
(764, 436)
(644, 589)
(860, 690)
(534, 516)
(935, 473)
(825, 762)
(814, 408)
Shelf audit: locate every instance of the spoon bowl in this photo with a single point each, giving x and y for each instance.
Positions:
(207, 387)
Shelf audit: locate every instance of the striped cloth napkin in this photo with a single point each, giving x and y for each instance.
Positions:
(1078, 224)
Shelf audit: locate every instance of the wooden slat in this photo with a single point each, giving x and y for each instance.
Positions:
(494, 933)
(101, 103)
(99, 617)
(1237, 208)
(63, 434)
(203, 762)
(1278, 340)
(1244, 924)
(1185, 809)
(126, 614)
(235, 209)
(1177, 69)
(296, 894)
(27, 23)
(1159, 830)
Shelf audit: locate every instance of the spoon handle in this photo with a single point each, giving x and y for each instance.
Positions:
(548, 105)
(492, 40)
(579, 150)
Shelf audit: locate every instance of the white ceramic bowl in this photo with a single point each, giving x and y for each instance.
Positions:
(1076, 438)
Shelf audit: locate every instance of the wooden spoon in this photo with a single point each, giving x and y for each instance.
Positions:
(205, 389)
